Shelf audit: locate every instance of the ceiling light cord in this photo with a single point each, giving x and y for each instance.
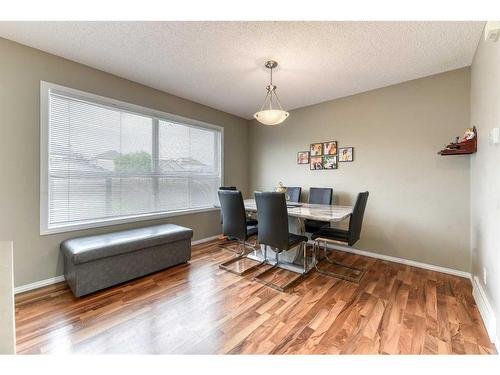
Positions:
(271, 93)
(265, 100)
(278, 100)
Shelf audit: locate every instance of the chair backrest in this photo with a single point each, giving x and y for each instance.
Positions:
(294, 194)
(273, 219)
(234, 222)
(320, 195)
(356, 220)
(227, 188)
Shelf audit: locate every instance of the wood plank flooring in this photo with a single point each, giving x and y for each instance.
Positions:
(200, 309)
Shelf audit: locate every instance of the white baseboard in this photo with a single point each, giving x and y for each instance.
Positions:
(58, 279)
(485, 309)
(413, 263)
(208, 239)
(38, 284)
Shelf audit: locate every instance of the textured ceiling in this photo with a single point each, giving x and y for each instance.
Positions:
(220, 64)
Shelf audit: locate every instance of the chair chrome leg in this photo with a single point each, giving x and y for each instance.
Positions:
(256, 243)
(281, 288)
(331, 261)
(226, 242)
(317, 248)
(304, 246)
(240, 255)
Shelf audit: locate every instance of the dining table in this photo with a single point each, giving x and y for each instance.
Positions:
(298, 212)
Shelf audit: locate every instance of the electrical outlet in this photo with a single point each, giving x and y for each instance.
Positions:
(484, 276)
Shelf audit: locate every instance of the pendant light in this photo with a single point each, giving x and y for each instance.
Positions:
(267, 114)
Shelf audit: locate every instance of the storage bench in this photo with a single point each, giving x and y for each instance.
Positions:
(96, 262)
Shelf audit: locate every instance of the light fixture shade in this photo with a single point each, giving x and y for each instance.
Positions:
(271, 116)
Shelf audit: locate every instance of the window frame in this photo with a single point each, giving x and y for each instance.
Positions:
(45, 89)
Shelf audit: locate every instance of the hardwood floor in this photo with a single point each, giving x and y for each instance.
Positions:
(198, 308)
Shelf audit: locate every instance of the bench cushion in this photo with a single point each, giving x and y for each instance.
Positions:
(90, 248)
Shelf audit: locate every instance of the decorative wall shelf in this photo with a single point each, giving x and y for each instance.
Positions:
(461, 148)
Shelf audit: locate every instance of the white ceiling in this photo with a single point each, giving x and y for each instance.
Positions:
(220, 64)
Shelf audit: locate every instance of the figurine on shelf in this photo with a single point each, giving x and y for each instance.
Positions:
(468, 144)
(468, 135)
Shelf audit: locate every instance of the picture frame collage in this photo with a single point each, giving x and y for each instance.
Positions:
(325, 155)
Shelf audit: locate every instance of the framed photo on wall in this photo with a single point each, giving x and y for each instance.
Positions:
(330, 162)
(303, 157)
(316, 162)
(316, 149)
(346, 154)
(330, 148)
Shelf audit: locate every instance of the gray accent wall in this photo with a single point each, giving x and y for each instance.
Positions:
(485, 173)
(418, 207)
(21, 70)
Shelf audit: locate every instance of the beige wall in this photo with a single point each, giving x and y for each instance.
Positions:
(485, 172)
(21, 70)
(418, 207)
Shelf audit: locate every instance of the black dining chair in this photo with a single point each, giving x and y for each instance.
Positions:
(235, 226)
(294, 194)
(274, 233)
(251, 222)
(344, 237)
(318, 196)
(232, 188)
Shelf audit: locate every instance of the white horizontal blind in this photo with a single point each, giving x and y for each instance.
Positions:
(108, 163)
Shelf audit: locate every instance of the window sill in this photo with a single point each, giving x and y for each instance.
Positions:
(123, 220)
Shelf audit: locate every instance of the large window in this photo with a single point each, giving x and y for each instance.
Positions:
(104, 162)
